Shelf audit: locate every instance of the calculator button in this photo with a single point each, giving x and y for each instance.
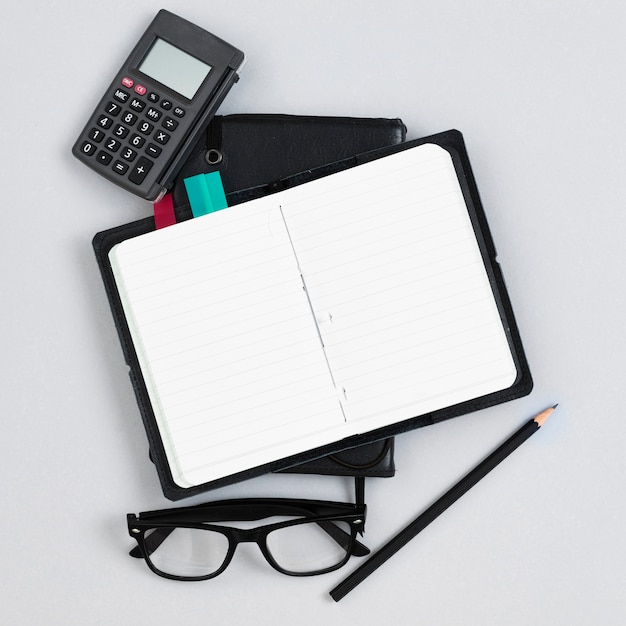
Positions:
(140, 89)
(128, 154)
(166, 104)
(105, 121)
(140, 170)
(161, 137)
(120, 168)
(120, 131)
(153, 97)
(179, 112)
(129, 118)
(137, 105)
(88, 148)
(97, 135)
(113, 109)
(104, 157)
(169, 123)
(145, 128)
(137, 141)
(128, 82)
(153, 114)
(113, 145)
(121, 95)
(153, 150)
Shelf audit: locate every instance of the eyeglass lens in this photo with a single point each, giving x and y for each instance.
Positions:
(190, 552)
(310, 547)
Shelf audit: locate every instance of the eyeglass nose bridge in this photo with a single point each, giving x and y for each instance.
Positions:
(247, 535)
(251, 535)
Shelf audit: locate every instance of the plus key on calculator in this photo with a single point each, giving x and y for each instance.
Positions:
(161, 100)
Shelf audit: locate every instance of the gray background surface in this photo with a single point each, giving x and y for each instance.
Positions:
(538, 90)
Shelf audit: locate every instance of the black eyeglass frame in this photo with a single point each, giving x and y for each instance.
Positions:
(321, 512)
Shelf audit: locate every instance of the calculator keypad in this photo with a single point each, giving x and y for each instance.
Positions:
(130, 132)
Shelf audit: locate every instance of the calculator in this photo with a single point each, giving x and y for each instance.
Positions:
(157, 106)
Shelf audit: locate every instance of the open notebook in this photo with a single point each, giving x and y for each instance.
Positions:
(346, 305)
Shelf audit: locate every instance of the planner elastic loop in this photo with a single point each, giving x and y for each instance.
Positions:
(206, 193)
(164, 212)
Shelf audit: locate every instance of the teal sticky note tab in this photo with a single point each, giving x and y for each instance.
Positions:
(198, 195)
(216, 190)
(206, 193)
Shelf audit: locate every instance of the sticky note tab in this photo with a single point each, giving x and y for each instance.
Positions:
(164, 212)
(206, 193)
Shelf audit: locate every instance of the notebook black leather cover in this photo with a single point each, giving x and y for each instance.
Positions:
(452, 141)
(257, 155)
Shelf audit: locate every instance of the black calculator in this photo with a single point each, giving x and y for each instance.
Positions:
(161, 100)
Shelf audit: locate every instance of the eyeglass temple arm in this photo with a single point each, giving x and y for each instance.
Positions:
(359, 490)
(152, 542)
(343, 538)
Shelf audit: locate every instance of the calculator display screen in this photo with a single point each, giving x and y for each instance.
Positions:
(174, 68)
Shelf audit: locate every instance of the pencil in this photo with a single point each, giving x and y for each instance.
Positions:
(436, 509)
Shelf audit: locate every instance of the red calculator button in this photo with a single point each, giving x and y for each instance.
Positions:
(128, 82)
(141, 90)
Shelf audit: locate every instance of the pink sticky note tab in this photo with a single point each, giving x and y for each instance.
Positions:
(164, 212)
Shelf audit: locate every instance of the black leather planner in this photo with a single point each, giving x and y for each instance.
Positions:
(342, 234)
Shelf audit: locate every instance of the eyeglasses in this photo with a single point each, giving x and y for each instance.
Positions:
(191, 543)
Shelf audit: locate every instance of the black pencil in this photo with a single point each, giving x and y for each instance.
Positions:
(436, 509)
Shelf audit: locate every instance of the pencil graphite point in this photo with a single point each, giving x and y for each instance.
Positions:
(543, 416)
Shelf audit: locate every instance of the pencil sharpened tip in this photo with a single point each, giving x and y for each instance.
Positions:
(555, 405)
(543, 416)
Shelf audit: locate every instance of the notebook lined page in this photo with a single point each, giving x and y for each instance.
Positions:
(400, 291)
(226, 341)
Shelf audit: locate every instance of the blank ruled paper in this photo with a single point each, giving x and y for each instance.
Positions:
(349, 303)
(224, 334)
(402, 298)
